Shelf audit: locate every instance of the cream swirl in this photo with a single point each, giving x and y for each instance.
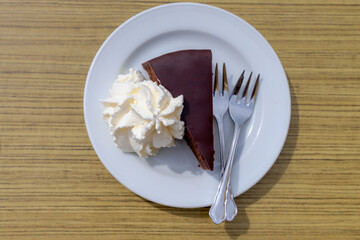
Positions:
(143, 116)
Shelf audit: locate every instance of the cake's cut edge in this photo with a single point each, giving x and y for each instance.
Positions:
(151, 72)
(195, 149)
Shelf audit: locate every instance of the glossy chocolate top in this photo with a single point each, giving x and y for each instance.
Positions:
(189, 73)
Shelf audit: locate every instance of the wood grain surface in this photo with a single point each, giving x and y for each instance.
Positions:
(53, 186)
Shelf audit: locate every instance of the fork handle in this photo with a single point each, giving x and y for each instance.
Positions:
(224, 206)
(231, 208)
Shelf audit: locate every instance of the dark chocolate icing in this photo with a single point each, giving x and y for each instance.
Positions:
(189, 73)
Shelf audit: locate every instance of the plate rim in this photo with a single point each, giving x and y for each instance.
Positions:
(287, 120)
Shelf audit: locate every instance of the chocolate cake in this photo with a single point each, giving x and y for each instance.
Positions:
(189, 73)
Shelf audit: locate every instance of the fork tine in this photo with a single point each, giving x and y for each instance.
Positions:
(238, 84)
(254, 93)
(225, 82)
(247, 86)
(216, 81)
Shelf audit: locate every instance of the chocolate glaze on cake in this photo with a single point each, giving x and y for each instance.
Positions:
(189, 73)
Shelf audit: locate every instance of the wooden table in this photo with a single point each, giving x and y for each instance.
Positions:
(53, 186)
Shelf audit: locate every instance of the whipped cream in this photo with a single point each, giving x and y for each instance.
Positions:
(143, 116)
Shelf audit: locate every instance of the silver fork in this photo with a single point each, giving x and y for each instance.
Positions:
(241, 108)
(220, 107)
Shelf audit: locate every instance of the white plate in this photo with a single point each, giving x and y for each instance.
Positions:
(173, 177)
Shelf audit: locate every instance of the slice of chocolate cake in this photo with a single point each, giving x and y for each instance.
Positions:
(189, 73)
